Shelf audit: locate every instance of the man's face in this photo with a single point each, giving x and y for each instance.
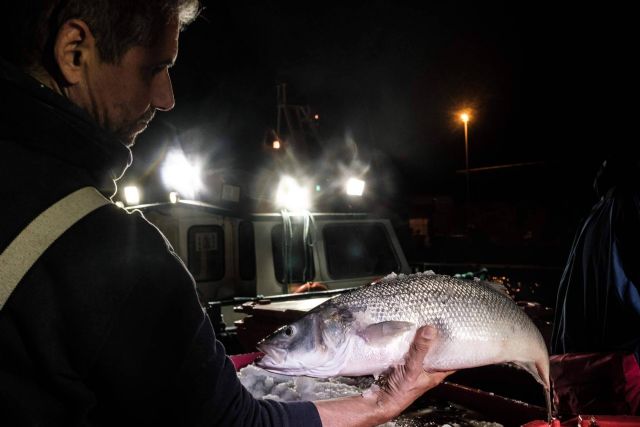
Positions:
(124, 97)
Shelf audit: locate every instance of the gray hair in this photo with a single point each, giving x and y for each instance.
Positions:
(117, 26)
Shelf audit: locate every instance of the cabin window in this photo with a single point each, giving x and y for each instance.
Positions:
(358, 250)
(205, 245)
(292, 254)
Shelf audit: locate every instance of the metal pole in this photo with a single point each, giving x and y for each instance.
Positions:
(466, 157)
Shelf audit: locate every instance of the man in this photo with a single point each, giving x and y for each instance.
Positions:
(598, 305)
(105, 328)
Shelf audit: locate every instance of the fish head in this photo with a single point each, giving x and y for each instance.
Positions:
(315, 345)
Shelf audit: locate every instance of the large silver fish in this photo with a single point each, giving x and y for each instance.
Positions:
(369, 329)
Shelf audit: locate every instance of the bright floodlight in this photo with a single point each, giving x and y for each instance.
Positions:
(355, 187)
(276, 145)
(292, 196)
(464, 117)
(131, 195)
(180, 175)
(173, 197)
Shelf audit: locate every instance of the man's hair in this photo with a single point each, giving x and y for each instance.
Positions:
(117, 26)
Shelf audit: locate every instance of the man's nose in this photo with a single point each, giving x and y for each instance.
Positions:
(162, 95)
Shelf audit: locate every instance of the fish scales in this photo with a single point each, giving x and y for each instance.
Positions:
(460, 310)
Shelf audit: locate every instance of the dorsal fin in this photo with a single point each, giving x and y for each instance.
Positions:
(495, 285)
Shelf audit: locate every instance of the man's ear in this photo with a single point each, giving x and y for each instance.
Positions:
(74, 46)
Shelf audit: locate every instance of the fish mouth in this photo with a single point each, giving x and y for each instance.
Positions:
(273, 356)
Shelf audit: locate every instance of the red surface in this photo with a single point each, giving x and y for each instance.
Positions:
(540, 423)
(242, 360)
(591, 421)
(595, 383)
(632, 385)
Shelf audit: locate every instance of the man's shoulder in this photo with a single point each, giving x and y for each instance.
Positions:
(122, 244)
(125, 227)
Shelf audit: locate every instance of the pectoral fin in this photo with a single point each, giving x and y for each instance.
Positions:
(380, 334)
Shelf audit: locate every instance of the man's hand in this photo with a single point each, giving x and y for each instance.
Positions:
(405, 384)
(408, 382)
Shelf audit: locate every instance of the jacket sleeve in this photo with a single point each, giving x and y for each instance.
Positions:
(161, 360)
(625, 269)
(222, 400)
(598, 295)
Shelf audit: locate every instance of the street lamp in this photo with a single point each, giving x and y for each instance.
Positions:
(465, 119)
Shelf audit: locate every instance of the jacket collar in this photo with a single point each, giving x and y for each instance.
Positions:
(36, 117)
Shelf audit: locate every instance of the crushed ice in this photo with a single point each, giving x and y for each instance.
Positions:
(267, 385)
(262, 384)
(393, 275)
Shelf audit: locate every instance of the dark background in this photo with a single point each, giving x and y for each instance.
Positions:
(388, 78)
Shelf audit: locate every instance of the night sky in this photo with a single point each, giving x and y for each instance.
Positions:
(390, 77)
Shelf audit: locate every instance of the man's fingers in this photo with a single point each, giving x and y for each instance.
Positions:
(409, 381)
(429, 332)
(420, 346)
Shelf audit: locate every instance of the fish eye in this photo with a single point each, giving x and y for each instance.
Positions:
(288, 331)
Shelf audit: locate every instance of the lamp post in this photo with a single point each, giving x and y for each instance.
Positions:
(465, 119)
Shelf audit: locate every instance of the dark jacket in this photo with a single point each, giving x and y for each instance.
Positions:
(598, 306)
(106, 328)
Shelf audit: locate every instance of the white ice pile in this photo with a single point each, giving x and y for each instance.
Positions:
(267, 385)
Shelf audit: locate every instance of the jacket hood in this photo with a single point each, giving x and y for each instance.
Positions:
(620, 170)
